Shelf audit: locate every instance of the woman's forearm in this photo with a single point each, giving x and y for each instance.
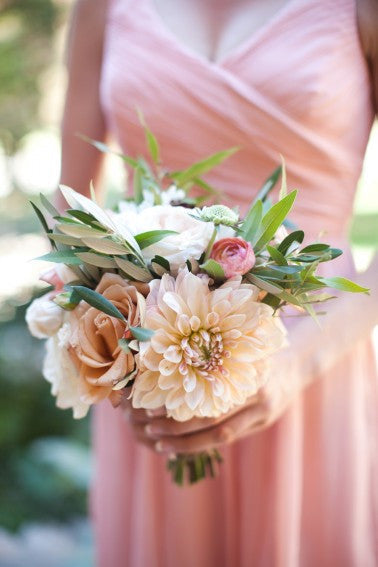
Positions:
(82, 113)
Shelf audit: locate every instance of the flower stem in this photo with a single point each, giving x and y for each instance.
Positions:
(189, 469)
(210, 245)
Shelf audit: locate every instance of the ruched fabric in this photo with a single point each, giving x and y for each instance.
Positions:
(303, 492)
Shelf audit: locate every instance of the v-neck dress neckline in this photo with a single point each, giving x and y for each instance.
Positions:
(240, 48)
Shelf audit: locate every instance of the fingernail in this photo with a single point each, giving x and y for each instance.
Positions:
(150, 430)
(161, 447)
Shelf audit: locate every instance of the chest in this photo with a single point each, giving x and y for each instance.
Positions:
(213, 28)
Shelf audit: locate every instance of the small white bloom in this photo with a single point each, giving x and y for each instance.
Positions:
(44, 317)
(172, 194)
(61, 372)
(281, 234)
(219, 214)
(190, 241)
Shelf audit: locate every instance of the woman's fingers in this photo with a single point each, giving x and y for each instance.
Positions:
(235, 427)
(169, 427)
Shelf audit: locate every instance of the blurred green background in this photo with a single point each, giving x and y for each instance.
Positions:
(44, 454)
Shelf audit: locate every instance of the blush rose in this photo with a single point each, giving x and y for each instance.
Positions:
(235, 255)
(102, 363)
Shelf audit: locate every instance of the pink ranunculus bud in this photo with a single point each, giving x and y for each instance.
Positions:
(51, 277)
(58, 276)
(235, 255)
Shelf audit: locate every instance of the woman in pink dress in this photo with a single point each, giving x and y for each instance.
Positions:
(298, 486)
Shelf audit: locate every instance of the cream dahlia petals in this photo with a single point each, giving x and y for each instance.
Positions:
(208, 348)
(44, 317)
(60, 370)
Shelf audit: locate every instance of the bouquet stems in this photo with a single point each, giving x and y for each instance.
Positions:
(191, 468)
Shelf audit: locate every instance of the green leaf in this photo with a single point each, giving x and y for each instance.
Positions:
(272, 300)
(141, 334)
(251, 223)
(106, 246)
(152, 143)
(316, 247)
(273, 289)
(201, 167)
(86, 218)
(343, 284)
(80, 230)
(124, 344)
(97, 301)
(276, 255)
(63, 257)
(268, 185)
(48, 206)
(137, 185)
(106, 150)
(283, 189)
(214, 269)
(98, 260)
(145, 239)
(41, 218)
(132, 271)
(273, 219)
(296, 236)
(65, 239)
(163, 262)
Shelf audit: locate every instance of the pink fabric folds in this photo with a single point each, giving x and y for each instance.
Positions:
(304, 492)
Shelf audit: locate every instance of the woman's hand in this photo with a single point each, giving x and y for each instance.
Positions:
(166, 435)
(313, 351)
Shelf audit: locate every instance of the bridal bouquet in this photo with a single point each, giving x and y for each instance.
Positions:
(170, 303)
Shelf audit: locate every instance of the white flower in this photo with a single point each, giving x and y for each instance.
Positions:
(205, 356)
(44, 317)
(219, 214)
(60, 370)
(190, 241)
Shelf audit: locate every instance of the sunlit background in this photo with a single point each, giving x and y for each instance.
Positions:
(44, 454)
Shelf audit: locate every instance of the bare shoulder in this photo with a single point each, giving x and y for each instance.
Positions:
(367, 19)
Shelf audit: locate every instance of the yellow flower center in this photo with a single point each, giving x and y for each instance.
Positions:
(204, 351)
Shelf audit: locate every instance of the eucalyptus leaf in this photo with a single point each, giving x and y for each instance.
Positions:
(48, 206)
(81, 231)
(277, 256)
(41, 218)
(343, 284)
(251, 223)
(141, 334)
(214, 269)
(97, 301)
(124, 344)
(146, 239)
(201, 167)
(316, 247)
(162, 262)
(65, 239)
(273, 219)
(98, 260)
(283, 189)
(105, 246)
(86, 218)
(62, 257)
(137, 185)
(296, 236)
(132, 271)
(106, 150)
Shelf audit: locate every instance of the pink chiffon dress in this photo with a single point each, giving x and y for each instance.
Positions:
(304, 491)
